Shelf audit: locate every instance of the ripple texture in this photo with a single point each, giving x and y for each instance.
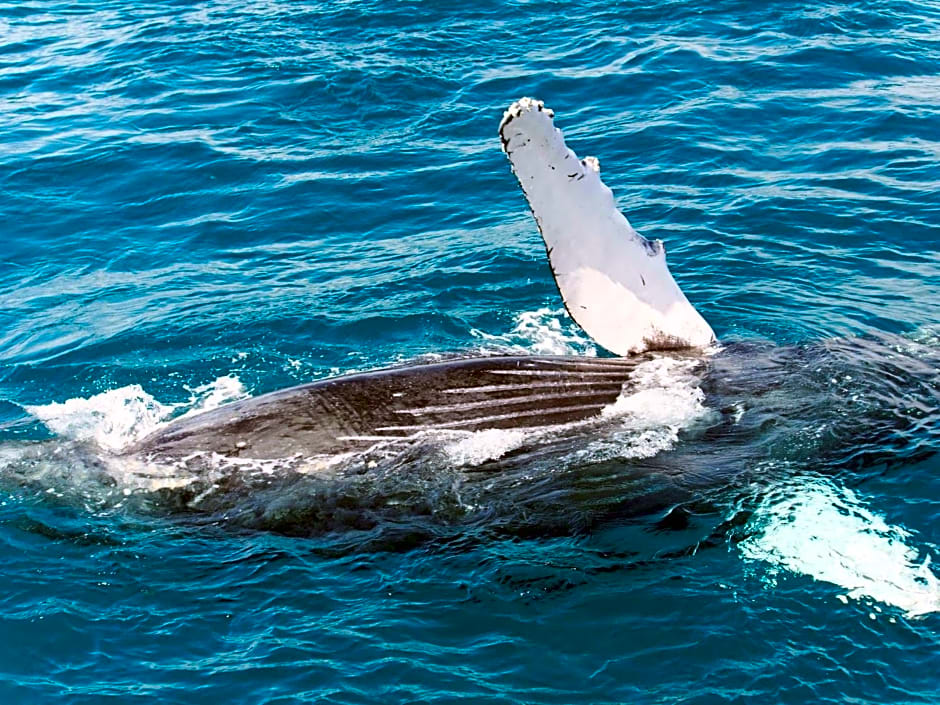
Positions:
(205, 200)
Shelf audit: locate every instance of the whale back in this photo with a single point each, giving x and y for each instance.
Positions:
(355, 411)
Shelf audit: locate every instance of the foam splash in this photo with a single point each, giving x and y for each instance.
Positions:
(662, 399)
(828, 533)
(214, 394)
(477, 447)
(117, 418)
(662, 391)
(927, 335)
(112, 419)
(542, 332)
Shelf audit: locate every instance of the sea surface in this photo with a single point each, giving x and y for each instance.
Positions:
(203, 201)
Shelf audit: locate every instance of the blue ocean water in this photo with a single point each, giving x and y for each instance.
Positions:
(202, 201)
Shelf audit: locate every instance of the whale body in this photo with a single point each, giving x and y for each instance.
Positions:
(615, 284)
(533, 443)
(357, 411)
(677, 444)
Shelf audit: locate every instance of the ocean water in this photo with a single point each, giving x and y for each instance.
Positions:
(201, 202)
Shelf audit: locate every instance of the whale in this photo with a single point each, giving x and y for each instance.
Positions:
(669, 444)
(668, 424)
(614, 283)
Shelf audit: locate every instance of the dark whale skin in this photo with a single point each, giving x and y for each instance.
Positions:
(354, 411)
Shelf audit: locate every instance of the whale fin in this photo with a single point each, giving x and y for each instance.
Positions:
(613, 281)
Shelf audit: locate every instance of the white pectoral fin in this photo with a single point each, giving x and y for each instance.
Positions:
(614, 282)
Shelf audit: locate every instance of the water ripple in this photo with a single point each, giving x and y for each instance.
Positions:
(280, 191)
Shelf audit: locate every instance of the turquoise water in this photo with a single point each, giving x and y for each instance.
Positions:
(202, 202)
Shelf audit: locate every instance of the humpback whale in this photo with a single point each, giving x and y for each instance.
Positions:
(575, 440)
(614, 283)
(677, 431)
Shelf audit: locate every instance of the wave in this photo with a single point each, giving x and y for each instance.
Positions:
(545, 331)
(115, 419)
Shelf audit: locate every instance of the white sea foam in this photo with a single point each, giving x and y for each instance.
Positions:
(214, 394)
(926, 335)
(545, 331)
(479, 447)
(662, 391)
(662, 398)
(112, 419)
(117, 418)
(828, 533)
